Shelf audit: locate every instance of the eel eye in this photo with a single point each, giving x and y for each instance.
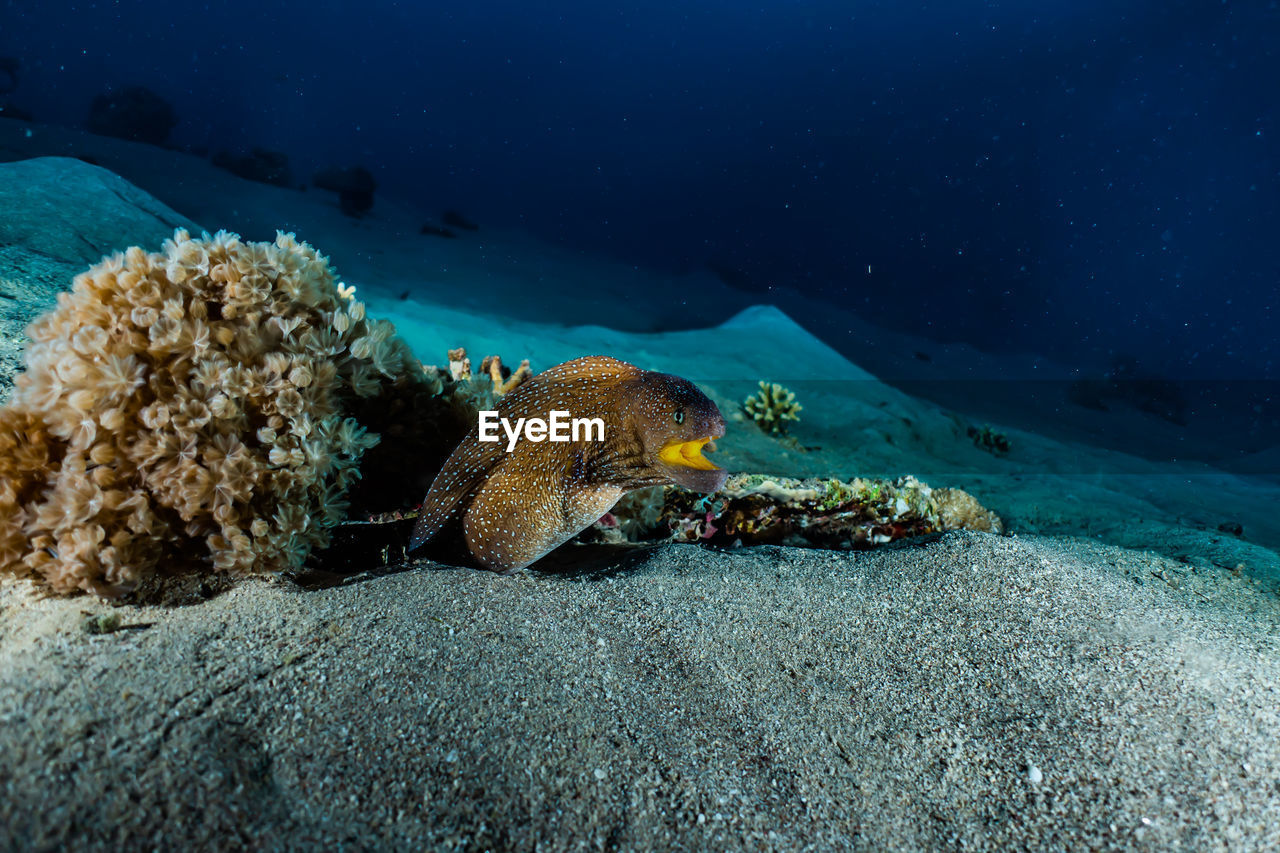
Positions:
(678, 417)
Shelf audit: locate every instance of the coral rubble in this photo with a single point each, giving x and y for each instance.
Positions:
(989, 439)
(190, 408)
(772, 407)
(755, 509)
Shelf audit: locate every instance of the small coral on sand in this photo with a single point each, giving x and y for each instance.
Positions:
(190, 407)
(476, 392)
(989, 439)
(772, 407)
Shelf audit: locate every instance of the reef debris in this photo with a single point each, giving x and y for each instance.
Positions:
(772, 407)
(989, 439)
(759, 509)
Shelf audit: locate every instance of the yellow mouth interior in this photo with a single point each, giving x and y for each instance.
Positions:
(688, 454)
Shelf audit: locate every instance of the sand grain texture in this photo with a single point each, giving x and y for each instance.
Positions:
(762, 698)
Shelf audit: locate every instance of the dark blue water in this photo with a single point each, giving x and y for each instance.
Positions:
(1092, 180)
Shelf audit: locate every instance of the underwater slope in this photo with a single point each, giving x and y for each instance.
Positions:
(495, 271)
(504, 273)
(58, 216)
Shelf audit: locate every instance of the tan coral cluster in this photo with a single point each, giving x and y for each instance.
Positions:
(188, 406)
(471, 391)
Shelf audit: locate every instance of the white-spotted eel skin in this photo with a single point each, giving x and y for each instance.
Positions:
(516, 506)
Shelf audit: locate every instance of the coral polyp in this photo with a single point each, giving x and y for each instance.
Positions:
(190, 407)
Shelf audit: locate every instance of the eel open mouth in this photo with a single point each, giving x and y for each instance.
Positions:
(688, 454)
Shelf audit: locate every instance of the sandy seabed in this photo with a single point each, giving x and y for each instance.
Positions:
(971, 691)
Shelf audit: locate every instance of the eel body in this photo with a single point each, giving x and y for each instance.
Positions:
(520, 498)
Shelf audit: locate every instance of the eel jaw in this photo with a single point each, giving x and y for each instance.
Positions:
(688, 454)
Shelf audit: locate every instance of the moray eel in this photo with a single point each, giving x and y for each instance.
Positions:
(518, 504)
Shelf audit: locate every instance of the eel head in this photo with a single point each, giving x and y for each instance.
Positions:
(679, 423)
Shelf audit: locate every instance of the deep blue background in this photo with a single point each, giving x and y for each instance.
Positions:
(1072, 177)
